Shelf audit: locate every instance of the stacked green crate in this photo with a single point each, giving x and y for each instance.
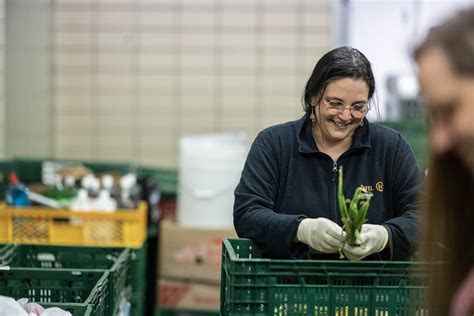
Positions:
(416, 133)
(167, 179)
(115, 260)
(30, 171)
(137, 278)
(7, 253)
(79, 292)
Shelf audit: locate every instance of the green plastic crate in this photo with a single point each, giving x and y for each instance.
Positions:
(252, 284)
(115, 260)
(416, 133)
(137, 278)
(167, 178)
(29, 171)
(89, 258)
(79, 292)
(7, 253)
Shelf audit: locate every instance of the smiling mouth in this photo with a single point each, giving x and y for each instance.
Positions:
(341, 125)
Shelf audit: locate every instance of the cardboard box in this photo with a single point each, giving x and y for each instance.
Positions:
(188, 295)
(191, 253)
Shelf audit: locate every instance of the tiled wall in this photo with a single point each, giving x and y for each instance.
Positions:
(131, 77)
(27, 76)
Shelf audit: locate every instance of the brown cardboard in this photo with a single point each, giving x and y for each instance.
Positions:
(191, 253)
(188, 295)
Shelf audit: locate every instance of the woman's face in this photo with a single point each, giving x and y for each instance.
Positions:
(450, 102)
(343, 106)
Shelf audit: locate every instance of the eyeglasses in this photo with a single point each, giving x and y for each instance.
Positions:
(335, 107)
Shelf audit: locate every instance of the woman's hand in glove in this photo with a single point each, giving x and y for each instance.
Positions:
(372, 239)
(321, 234)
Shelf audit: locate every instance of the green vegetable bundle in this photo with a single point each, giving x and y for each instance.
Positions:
(353, 211)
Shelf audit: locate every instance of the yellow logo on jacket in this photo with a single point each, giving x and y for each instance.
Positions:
(370, 189)
(379, 186)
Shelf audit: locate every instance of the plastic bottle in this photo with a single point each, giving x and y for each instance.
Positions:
(91, 184)
(81, 202)
(95, 187)
(127, 184)
(104, 201)
(87, 183)
(70, 185)
(108, 183)
(17, 193)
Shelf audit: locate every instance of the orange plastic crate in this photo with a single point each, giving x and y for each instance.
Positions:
(38, 225)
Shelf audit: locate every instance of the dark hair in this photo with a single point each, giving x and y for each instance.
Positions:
(342, 62)
(456, 38)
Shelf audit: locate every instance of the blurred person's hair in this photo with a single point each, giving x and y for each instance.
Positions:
(456, 38)
(339, 63)
(448, 210)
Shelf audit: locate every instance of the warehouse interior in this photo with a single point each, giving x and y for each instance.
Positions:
(164, 98)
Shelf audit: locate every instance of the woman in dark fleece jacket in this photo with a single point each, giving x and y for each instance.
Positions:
(287, 196)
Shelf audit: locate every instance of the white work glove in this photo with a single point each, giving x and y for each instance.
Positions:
(320, 234)
(372, 239)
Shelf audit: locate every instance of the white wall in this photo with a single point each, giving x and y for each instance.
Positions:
(386, 32)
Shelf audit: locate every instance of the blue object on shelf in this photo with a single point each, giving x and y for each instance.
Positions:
(17, 194)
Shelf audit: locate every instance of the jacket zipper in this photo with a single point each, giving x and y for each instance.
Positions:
(334, 191)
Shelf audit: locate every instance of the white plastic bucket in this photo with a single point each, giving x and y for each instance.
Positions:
(209, 170)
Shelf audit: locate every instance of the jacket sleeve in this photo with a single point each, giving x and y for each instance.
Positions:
(254, 205)
(407, 180)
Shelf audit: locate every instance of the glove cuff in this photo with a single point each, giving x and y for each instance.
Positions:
(301, 232)
(384, 237)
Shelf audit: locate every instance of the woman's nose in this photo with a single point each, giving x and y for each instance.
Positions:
(345, 114)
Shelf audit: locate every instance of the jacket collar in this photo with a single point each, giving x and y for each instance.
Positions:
(306, 142)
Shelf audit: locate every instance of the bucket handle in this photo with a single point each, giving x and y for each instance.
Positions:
(206, 194)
